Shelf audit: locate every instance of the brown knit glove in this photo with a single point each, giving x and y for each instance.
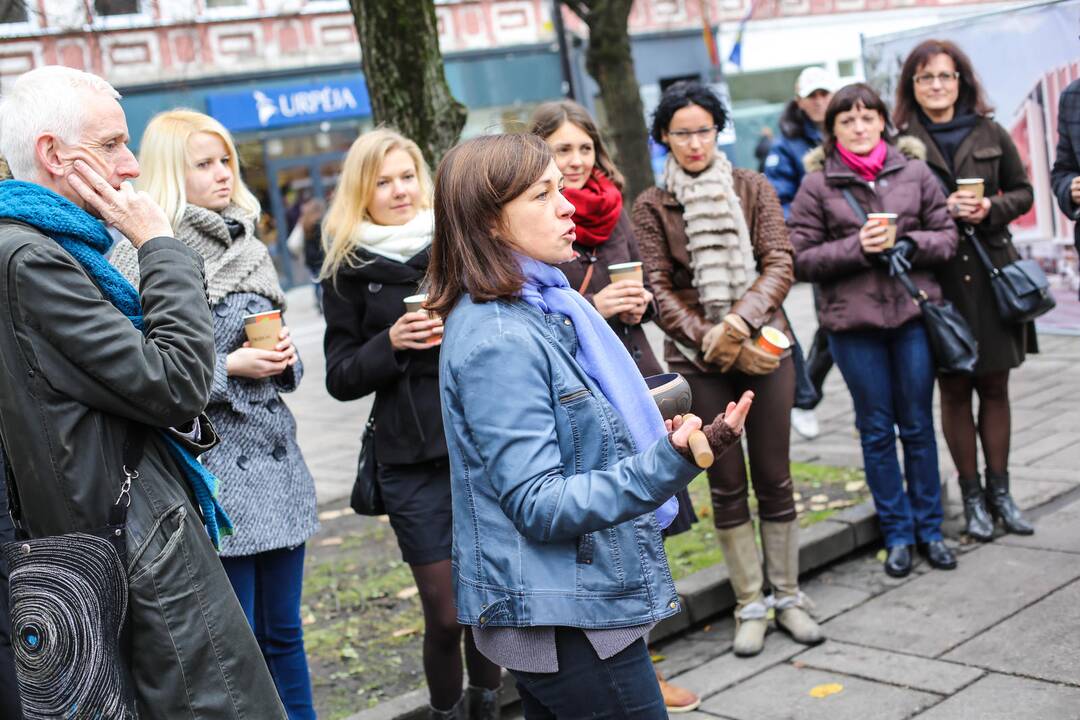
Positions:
(753, 360)
(720, 435)
(721, 345)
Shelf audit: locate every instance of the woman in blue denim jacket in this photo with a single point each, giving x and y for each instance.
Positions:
(561, 468)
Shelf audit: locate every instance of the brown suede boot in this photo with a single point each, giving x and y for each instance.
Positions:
(677, 699)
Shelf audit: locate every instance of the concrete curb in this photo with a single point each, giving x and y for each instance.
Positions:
(705, 595)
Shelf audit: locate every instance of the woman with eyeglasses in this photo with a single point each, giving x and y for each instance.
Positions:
(940, 102)
(720, 264)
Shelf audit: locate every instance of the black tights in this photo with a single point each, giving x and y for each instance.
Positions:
(994, 421)
(442, 639)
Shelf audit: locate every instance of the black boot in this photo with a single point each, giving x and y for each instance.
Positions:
(483, 703)
(977, 521)
(455, 713)
(1001, 505)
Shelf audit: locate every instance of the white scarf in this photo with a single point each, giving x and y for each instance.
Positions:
(721, 253)
(398, 242)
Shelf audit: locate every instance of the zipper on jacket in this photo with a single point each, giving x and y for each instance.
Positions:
(576, 395)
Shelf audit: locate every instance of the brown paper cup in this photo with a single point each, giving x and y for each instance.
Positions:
(263, 330)
(888, 220)
(972, 185)
(626, 271)
(773, 341)
(414, 303)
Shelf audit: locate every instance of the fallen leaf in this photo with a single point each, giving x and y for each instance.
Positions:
(855, 486)
(797, 496)
(882, 554)
(707, 628)
(308, 619)
(384, 519)
(349, 653)
(331, 541)
(824, 691)
(402, 633)
(837, 504)
(798, 664)
(658, 658)
(817, 506)
(820, 498)
(799, 507)
(407, 593)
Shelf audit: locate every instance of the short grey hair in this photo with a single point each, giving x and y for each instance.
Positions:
(45, 100)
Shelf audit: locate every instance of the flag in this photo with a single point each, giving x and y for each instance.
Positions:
(735, 58)
(709, 36)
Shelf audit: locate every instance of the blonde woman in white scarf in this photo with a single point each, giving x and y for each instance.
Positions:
(720, 264)
(377, 234)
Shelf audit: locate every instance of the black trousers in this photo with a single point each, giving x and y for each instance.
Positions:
(9, 686)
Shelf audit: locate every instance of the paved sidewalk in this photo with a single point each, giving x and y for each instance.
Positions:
(997, 638)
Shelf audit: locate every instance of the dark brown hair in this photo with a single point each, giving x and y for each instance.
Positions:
(550, 116)
(474, 182)
(848, 97)
(971, 95)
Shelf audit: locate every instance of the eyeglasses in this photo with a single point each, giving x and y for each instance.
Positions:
(683, 137)
(943, 78)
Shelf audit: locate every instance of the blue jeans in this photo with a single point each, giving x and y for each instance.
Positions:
(890, 374)
(623, 687)
(268, 586)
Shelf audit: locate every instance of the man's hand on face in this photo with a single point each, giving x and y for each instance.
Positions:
(132, 213)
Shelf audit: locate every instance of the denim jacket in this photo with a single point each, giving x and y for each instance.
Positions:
(552, 503)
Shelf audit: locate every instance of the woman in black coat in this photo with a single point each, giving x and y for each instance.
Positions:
(940, 102)
(377, 234)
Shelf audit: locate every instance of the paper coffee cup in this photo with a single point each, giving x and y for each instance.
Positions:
(887, 220)
(413, 303)
(626, 271)
(975, 186)
(773, 341)
(263, 330)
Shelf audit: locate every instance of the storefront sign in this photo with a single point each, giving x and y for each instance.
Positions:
(281, 106)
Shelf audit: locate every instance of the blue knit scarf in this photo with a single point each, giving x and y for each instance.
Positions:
(86, 239)
(602, 356)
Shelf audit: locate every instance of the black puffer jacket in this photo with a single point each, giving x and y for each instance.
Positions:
(360, 305)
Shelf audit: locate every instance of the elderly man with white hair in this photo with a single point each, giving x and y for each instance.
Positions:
(91, 369)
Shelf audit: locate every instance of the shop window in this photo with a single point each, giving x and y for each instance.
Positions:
(13, 12)
(846, 68)
(108, 8)
(217, 4)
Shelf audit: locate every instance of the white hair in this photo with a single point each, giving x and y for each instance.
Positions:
(45, 100)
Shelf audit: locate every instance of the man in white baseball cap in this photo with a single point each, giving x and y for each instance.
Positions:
(801, 128)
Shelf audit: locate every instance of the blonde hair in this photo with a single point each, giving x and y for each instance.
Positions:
(355, 189)
(164, 161)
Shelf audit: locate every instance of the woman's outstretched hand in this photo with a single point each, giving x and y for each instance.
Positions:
(680, 427)
(735, 415)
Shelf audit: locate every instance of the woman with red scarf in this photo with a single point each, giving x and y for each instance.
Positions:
(605, 237)
(876, 334)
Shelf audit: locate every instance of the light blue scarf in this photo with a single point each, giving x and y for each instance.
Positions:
(602, 356)
(86, 239)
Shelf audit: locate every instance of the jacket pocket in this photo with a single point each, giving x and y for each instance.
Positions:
(588, 431)
(603, 570)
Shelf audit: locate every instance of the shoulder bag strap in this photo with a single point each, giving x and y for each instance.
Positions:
(916, 294)
(588, 273)
(132, 454)
(14, 508)
(984, 258)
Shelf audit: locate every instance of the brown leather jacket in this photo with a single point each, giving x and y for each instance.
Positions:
(661, 235)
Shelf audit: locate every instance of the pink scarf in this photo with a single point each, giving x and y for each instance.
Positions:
(865, 166)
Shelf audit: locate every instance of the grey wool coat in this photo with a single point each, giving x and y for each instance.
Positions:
(265, 485)
(74, 373)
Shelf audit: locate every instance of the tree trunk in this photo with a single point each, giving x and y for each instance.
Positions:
(610, 63)
(403, 68)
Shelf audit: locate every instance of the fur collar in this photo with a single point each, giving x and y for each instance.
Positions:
(912, 148)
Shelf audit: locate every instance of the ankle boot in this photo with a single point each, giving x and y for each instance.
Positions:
(1001, 505)
(977, 521)
(744, 568)
(455, 713)
(483, 703)
(781, 543)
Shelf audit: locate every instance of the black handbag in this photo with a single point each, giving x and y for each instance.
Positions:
(952, 343)
(69, 596)
(366, 498)
(1021, 288)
